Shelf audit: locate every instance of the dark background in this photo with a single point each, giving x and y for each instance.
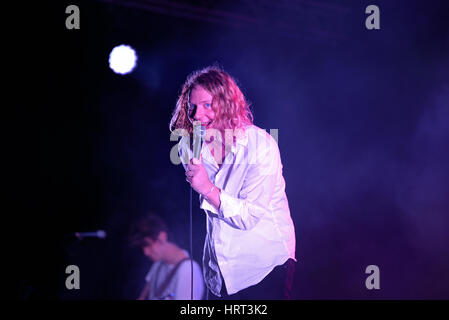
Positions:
(363, 119)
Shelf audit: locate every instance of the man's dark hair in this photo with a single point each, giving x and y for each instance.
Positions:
(147, 227)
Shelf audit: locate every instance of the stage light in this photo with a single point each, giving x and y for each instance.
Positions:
(122, 59)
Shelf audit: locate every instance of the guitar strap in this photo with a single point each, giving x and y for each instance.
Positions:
(169, 278)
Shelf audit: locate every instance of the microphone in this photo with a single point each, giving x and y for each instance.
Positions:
(199, 132)
(100, 234)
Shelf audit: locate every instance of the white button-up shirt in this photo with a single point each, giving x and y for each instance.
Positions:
(252, 232)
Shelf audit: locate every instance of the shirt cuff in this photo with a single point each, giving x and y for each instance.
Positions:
(229, 206)
(207, 206)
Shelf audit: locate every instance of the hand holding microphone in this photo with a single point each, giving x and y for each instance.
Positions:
(196, 174)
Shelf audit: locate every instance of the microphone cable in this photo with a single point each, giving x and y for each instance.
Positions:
(191, 245)
(198, 134)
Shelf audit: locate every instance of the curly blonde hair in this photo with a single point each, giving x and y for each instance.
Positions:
(228, 102)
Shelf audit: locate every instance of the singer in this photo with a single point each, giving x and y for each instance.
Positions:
(249, 250)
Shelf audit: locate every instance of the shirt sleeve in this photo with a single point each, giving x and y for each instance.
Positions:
(150, 272)
(254, 199)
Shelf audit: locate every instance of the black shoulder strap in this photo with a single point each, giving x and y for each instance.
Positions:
(169, 278)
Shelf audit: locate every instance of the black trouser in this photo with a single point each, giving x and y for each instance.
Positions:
(277, 285)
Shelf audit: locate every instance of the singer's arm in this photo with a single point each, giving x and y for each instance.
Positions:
(262, 181)
(201, 183)
(214, 197)
(245, 209)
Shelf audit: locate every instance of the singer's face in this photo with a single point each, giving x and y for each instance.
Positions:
(200, 103)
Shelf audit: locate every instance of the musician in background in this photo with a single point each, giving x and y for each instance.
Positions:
(169, 278)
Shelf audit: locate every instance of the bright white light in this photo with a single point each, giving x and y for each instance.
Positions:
(122, 59)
